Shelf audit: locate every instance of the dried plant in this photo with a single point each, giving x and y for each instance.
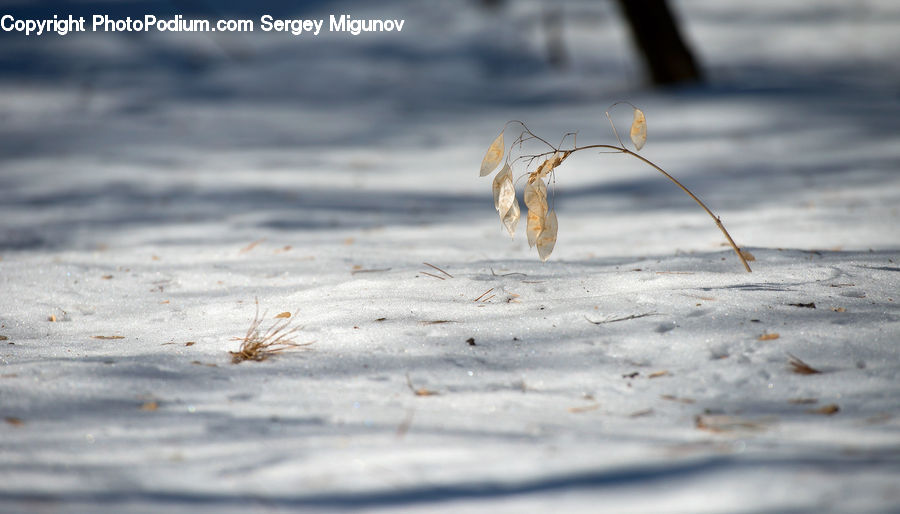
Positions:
(800, 367)
(542, 223)
(259, 345)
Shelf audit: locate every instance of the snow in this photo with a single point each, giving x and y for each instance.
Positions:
(154, 186)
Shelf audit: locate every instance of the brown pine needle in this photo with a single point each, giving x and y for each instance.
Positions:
(439, 269)
(432, 275)
(379, 270)
(483, 294)
(827, 410)
(585, 408)
(673, 398)
(251, 246)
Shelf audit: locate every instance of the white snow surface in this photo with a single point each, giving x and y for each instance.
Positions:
(152, 187)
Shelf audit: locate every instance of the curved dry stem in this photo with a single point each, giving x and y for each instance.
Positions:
(715, 218)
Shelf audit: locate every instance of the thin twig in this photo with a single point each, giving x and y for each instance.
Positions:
(530, 133)
(626, 318)
(613, 125)
(507, 274)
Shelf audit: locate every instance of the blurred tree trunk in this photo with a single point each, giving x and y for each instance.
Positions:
(655, 31)
(492, 4)
(552, 20)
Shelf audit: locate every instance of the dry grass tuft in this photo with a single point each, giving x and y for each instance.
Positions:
(800, 367)
(258, 345)
(419, 391)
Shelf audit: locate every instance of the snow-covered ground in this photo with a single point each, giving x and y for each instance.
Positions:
(152, 187)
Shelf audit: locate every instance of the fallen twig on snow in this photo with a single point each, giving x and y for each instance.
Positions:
(626, 318)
